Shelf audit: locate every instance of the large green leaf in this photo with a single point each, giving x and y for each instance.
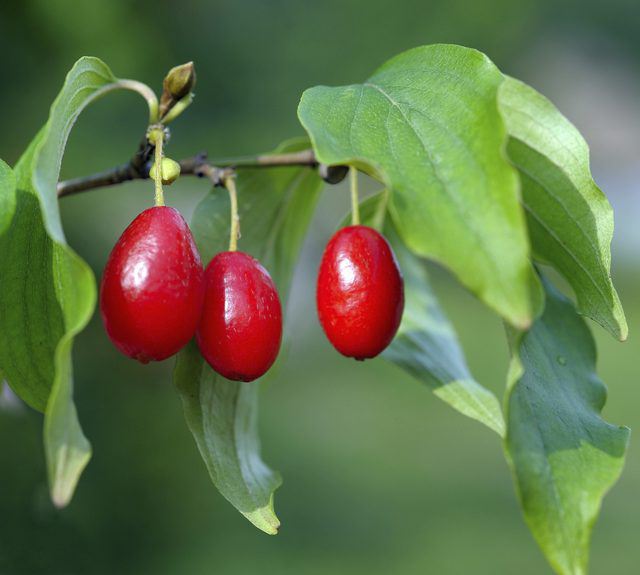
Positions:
(275, 210)
(426, 345)
(570, 220)
(427, 124)
(564, 456)
(47, 292)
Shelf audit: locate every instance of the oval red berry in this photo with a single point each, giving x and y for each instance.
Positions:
(360, 292)
(241, 327)
(152, 289)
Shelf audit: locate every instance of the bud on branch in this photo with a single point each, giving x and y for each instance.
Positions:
(177, 85)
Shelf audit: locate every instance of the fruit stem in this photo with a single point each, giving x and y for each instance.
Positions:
(156, 136)
(234, 233)
(355, 207)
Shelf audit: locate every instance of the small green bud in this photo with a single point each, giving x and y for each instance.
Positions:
(178, 84)
(170, 171)
(180, 80)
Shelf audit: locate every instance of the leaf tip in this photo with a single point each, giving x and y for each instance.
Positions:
(60, 497)
(522, 322)
(273, 529)
(623, 331)
(266, 520)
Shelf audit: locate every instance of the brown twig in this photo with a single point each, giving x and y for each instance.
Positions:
(198, 165)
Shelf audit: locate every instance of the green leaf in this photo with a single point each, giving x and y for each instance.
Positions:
(89, 79)
(570, 220)
(7, 195)
(275, 209)
(564, 456)
(426, 345)
(67, 450)
(222, 416)
(427, 124)
(47, 292)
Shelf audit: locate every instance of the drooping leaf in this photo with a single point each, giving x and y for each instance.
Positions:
(275, 209)
(564, 456)
(427, 125)
(88, 80)
(426, 345)
(47, 292)
(67, 449)
(222, 416)
(570, 220)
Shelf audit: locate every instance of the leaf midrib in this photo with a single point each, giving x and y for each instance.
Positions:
(454, 200)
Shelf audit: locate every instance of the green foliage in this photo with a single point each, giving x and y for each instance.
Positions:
(427, 125)
(430, 124)
(483, 174)
(47, 292)
(570, 220)
(275, 208)
(426, 345)
(222, 415)
(86, 81)
(564, 456)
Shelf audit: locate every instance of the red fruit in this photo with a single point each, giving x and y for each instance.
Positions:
(360, 293)
(241, 326)
(152, 289)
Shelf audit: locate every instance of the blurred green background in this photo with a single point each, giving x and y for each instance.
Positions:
(379, 476)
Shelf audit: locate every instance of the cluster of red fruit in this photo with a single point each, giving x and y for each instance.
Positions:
(155, 296)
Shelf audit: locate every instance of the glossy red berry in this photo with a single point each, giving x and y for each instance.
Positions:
(360, 292)
(241, 326)
(152, 289)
